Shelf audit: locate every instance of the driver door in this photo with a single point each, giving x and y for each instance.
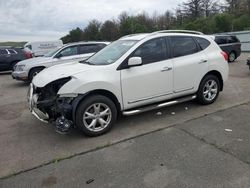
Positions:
(153, 80)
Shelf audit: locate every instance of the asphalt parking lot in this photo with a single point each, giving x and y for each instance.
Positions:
(187, 145)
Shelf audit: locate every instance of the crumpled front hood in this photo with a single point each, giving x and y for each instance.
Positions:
(35, 60)
(59, 71)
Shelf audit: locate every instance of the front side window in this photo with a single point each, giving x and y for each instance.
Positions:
(111, 53)
(182, 46)
(152, 51)
(69, 51)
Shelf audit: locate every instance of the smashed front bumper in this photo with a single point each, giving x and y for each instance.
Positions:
(32, 102)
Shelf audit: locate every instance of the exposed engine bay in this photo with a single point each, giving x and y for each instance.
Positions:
(47, 106)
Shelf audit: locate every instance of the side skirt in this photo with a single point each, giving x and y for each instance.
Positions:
(159, 105)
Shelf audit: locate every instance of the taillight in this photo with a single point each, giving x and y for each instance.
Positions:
(224, 54)
(28, 55)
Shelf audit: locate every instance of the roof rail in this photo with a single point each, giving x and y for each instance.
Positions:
(131, 35)
(179, 31)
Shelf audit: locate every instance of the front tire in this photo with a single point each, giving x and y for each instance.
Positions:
(34, 72)
(96, 115)
(209, 90)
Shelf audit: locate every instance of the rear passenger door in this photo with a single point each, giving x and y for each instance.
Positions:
(190, 64)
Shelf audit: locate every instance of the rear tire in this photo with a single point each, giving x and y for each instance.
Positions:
(34, 72)
(231, 57)
(209, 90)
(96, 115)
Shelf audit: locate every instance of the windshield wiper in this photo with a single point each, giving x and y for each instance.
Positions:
(86, 62)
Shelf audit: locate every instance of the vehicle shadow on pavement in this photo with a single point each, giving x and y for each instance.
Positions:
(5, 73)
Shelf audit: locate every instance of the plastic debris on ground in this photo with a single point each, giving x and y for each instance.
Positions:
(228, 130)
(158, 113)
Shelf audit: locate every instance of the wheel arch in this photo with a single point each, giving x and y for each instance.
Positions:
(39, 67)
(218, 75)
(103, 92)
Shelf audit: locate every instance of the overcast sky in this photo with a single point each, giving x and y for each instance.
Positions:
(31, 20)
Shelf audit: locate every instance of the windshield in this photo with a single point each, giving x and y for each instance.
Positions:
(52, 52)
(111, 53)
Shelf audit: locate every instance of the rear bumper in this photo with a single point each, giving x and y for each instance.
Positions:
(20, 75)
(248, 62)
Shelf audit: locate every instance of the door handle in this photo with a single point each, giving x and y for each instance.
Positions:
(166, 69)
(202, 61)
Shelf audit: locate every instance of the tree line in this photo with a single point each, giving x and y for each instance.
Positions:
(207, 16)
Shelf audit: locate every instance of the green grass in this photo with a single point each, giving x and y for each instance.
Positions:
(14, 44)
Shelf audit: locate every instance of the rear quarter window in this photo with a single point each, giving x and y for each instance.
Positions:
(203, 43)
(232, 39)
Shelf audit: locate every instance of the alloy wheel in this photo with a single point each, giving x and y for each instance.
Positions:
(210, 90)
(97, 117)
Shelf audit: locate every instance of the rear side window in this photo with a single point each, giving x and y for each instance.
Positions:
(182, 46)
(220, 40)
(203, 43)
(12, 51)
(3, 52)
(152, 51)
(84, 49)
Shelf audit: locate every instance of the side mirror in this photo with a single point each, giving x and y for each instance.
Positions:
(134, 61)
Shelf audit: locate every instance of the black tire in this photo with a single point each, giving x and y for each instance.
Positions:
(232, 57)
(86, 106)
(34, 72)
(201, 96)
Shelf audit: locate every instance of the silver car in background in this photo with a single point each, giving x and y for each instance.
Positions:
(27, 69)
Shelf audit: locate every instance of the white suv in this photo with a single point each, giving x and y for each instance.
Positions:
(134, 74)
(27, 69)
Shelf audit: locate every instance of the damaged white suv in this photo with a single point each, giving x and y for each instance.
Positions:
(134, 74)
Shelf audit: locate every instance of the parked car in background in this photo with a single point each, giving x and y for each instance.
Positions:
(132, 75)
(27, 69)
(229, 44)
(40, 48)
(10, 56)
(248, 62)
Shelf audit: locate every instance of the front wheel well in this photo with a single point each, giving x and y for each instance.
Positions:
(40, 67)
(218, 75)
(105, 93)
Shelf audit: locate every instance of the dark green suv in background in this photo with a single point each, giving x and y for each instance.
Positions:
(9, 56)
